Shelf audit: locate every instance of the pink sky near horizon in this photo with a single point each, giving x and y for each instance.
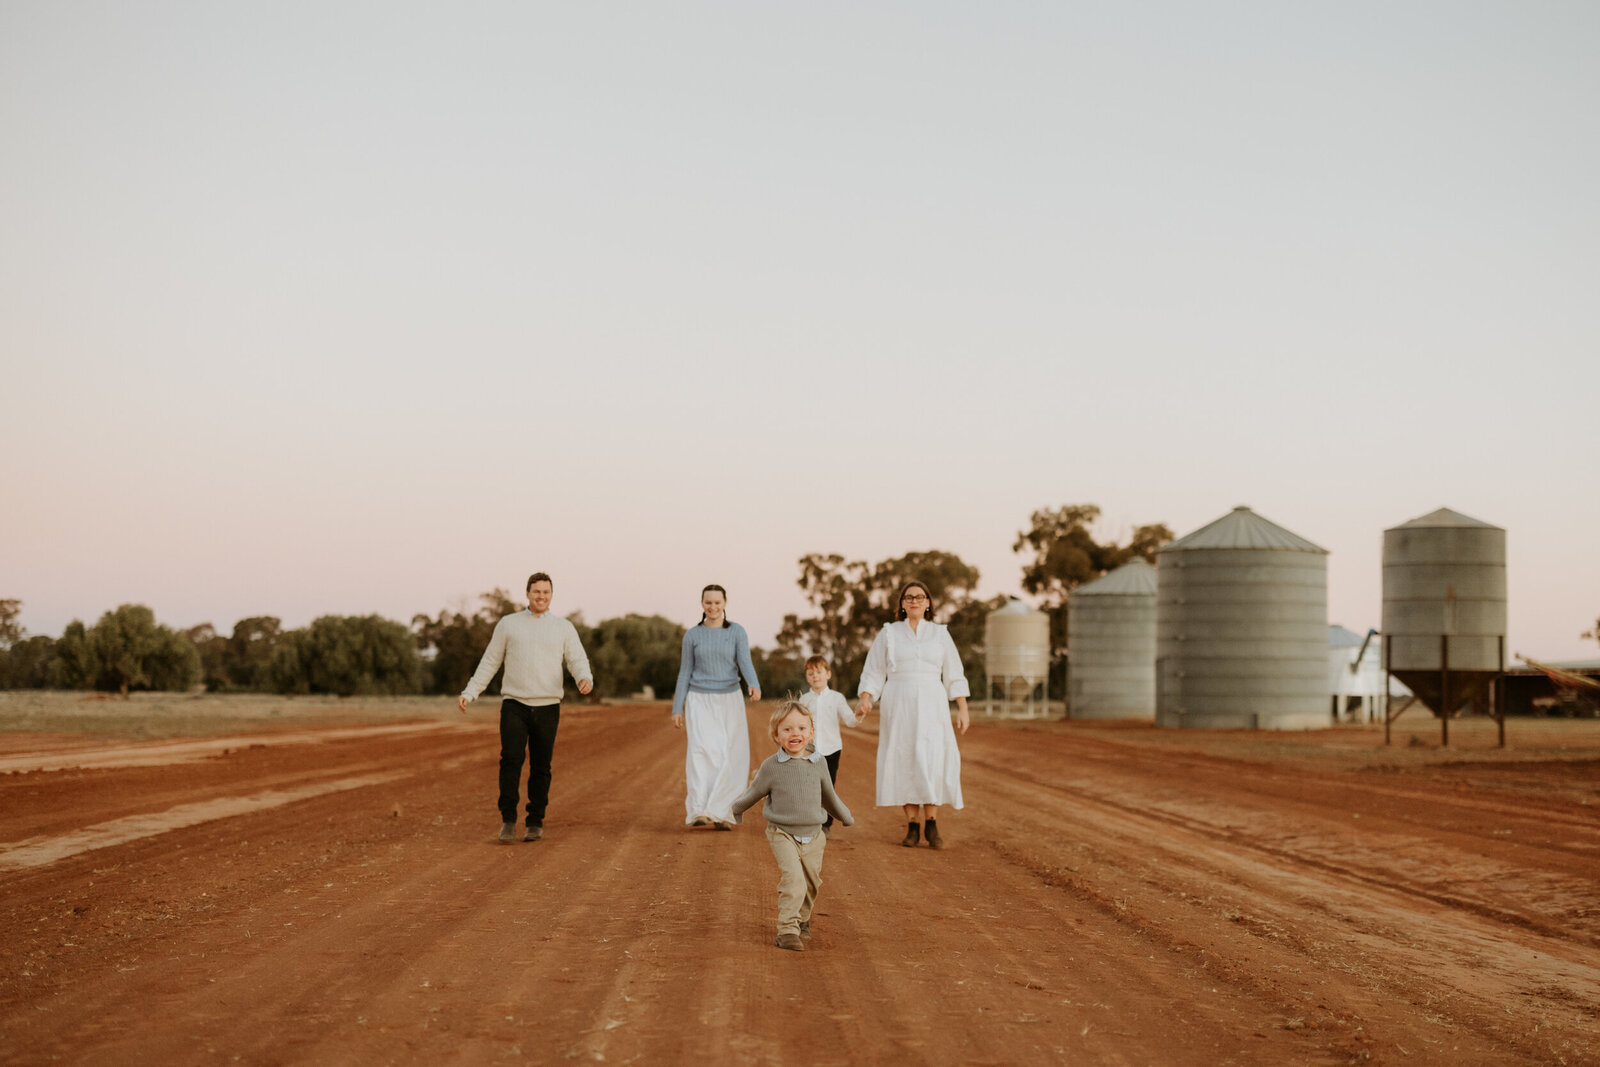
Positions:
(377, 317)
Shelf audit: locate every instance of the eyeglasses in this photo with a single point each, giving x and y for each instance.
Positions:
(913, 598)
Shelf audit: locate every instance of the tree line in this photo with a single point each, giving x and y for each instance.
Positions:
(349, 655)
(343, 655)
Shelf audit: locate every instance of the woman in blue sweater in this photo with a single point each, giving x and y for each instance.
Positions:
(709, 704)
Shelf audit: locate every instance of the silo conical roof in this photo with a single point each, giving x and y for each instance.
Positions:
(1339, 637)
(1445, 517)
(1015, 606)
(1243, 528)
(1134, 578)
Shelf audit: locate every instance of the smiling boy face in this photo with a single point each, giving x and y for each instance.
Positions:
(817, 677)
(793, 732)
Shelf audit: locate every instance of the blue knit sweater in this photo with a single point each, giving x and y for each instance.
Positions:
(713, 660)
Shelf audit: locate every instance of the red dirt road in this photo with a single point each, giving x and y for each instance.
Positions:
(1110, 896)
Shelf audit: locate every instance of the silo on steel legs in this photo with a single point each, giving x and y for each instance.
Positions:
(1242, 628)
(1444, 610)
(1111, 645)
(1017, 661)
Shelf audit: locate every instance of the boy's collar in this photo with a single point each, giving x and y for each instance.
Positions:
(810, 755)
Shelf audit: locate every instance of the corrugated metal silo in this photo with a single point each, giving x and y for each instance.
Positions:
(1444, 607)
(1242, 628)
(1111, 639)
(1017, 659)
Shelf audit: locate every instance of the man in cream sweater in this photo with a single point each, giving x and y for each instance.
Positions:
(533, 645)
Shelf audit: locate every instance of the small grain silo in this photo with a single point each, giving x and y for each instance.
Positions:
(1017, 658)
(1111, 646)
(1241, 628)
(1444, 609)
(1355, 675)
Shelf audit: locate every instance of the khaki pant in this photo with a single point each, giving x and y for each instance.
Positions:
(799, 877)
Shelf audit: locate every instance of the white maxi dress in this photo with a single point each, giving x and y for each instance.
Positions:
(915, 675)
(716, 768)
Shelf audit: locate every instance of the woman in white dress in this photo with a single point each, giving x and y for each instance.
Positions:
(709, 704)
(915, 671)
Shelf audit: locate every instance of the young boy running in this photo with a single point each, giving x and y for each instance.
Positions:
(799, 796)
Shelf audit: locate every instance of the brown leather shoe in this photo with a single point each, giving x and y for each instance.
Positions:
(508, 832)
(534, 833)
(805, 930)
(791, 942)
(913, 836)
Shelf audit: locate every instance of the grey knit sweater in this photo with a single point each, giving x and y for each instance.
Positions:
(799, 795)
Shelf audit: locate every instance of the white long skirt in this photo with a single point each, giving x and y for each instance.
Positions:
(717, 767)
(918, 760)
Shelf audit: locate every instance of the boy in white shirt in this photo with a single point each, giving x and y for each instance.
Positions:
(828, 707)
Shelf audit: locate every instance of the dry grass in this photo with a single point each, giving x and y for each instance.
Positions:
(1414, 740)
(154, 715)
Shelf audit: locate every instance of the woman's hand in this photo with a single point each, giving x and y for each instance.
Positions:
(863, 704)
(755, 696)
(677, 722)
(963, 720)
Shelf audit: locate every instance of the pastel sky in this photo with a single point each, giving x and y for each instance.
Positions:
(312, 308)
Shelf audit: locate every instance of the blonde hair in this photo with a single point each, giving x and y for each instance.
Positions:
(783, 711)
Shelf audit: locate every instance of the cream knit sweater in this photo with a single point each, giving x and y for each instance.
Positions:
(533, 648)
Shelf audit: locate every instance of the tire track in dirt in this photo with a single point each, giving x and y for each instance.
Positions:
(1135, 860)
(1550, 905)
(1365, 784)
(38, 851)
(51, 803)
(168, 753)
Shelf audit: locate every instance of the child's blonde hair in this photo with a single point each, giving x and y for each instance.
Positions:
(783, 711)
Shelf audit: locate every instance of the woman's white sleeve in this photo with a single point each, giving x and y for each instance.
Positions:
(876, 671)
(955, 679)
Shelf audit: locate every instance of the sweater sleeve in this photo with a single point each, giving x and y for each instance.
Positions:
(741, 651)
(577, 659)
(876, 671)
(685, 668)
(493, 657)
(758, 789)
(831, 802)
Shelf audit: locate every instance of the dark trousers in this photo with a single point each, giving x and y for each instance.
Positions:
(833, 776)
(531, 732)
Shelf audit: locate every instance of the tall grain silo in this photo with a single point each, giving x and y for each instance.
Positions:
(1017, 658)
(1111, 643)
(1242, 628)
(1444, 608)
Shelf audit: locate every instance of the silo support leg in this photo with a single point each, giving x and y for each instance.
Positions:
(1497, 691)
(1391, 716)
(1444, 690)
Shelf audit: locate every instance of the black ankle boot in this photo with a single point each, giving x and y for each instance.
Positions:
(932, 834)
(913, 835)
